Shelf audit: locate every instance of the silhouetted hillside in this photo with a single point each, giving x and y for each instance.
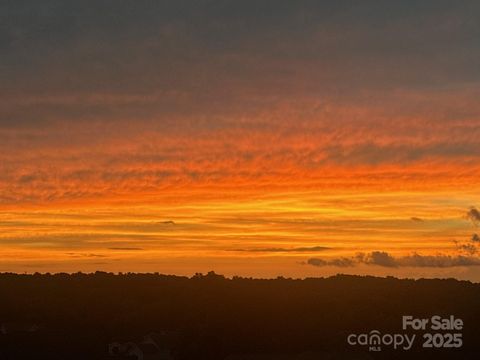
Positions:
(77, 316)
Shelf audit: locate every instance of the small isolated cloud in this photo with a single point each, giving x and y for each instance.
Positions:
(168, 222)
(384, 259)
(473, 215)
(84, 255)
(342, 262)
(317, 262)
(125, 248)
(278, 249)
(416, 219)
(475, 238)
(338, 262)
(380, 258)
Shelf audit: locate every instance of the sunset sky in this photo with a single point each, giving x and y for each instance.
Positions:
(253, 138)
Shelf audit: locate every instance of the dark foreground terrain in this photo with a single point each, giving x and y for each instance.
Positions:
(152, 316)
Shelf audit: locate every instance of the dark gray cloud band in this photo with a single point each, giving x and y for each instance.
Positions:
(279, 249)
(384, 259)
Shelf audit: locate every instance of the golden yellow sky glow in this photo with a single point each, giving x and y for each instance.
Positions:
(299, 140)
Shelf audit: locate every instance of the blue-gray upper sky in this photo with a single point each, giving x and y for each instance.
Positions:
(225, 56)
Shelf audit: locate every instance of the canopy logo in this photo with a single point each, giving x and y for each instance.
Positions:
(375, 340)
(445, 334)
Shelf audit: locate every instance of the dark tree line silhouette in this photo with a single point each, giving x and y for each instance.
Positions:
(76, 316)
